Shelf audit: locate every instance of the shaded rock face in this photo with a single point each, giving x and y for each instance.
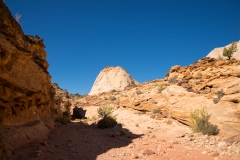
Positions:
(112, 78)
(78, 113)
(26, 94)
(62, 101)
(208, 82)
(217, 52)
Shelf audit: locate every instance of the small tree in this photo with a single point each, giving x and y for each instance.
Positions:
(229, 52)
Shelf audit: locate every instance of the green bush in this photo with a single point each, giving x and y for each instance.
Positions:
(220, 94)
(157, 111)
(63, 119)
(229, 52)
(123, 132)
(173, 79)
(105, 111)
(161, 87)
(200, 122)
(107, 122)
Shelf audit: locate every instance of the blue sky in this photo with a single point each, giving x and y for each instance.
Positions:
(145, 37)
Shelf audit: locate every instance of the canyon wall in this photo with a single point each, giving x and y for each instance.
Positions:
(27, 106)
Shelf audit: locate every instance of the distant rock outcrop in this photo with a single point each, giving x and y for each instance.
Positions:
(217, 52)
(112, 78)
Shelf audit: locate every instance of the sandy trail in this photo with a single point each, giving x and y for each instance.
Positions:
(146, 138)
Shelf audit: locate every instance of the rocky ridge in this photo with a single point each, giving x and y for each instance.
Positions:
(217, 52)
(208, 82)
(112, 78)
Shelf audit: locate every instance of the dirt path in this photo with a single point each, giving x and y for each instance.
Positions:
(145, 138)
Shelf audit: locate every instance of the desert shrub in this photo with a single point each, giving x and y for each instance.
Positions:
(157, 111)
(161, 88)
(112, 98)
(220, 94)
(63, 119)
(215, 100)
(123, 132)
(173, 79)
(107, 122)
(199, 75)
(229, 52)
(93, 118)
(138, 92)
(105, 111)
(200, 122)
(197, 82)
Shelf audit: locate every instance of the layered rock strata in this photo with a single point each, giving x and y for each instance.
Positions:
(208, 82)
(26, 95)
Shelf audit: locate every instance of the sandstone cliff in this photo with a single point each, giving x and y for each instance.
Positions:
(112, 78)
(208, 82)
(26, 96)
(217, 52)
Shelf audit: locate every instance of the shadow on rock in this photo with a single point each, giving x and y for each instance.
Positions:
(78, 113)
(76, 141)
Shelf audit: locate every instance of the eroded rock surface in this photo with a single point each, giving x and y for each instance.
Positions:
(208, 82)
(112, 78)
(26, 95)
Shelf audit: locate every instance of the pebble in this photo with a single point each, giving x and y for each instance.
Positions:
(148, 152)
(214, 154)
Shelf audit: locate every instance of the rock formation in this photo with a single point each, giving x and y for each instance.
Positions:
(208, 82)
(26, 95)
(217, 52)
(112, 78)
(62, 100)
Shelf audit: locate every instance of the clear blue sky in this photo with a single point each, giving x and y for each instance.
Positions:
(145, 37)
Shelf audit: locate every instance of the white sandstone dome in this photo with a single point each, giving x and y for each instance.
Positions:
(112, 78)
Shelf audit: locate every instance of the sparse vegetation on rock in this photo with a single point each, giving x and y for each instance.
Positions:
(105, 111)
(220, 94)
(112, 98)
(138, 92)
(107, 120)
(157, 111)
(173, 79)
(229, 52)
(64, 119)
(200, 122)
(161, 87)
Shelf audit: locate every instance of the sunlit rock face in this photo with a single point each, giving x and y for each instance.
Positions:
(217, 52)
(26, 95)
(112, 78)
(208, 82)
